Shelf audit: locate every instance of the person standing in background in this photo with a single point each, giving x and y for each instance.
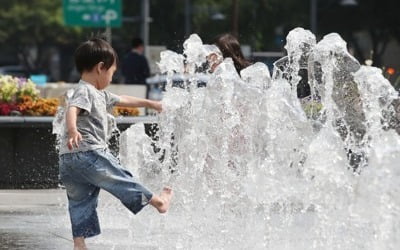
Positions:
(135, 67)
(229, 46)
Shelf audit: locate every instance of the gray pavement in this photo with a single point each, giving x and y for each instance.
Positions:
(38, 219)
(26, 218)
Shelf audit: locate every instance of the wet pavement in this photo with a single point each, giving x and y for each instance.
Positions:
(38, 219)
(26, 218)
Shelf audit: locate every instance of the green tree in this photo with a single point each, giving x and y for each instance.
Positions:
(263, 24)
(378, 19)
(34, 24)
(257, 20)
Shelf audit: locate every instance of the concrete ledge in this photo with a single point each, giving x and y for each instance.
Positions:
(29, 120)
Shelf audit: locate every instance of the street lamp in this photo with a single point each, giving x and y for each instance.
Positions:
(145, 24)
(313, 16)
(188, 18)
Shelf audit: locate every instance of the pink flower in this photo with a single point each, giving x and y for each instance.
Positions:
(21, 82)
(6, 108)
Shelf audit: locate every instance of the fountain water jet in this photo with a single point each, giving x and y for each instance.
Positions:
(252, 170)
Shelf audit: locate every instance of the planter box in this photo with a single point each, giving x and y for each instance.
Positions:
(28, 158)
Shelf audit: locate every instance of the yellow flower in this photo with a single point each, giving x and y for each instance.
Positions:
(13, 88)
(8, 91)
(125, 111)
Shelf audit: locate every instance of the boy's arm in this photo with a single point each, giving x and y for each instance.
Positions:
(74, 137)
(131, 101)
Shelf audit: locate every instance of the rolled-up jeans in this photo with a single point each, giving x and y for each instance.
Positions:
(84, 174)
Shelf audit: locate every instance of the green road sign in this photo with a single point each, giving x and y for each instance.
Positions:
(92, 13)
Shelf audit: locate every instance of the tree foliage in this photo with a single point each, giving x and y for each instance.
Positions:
(263, 24)
(38, 24)
(378, 19)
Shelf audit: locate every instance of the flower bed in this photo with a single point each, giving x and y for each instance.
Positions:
(126, 111)
(19, 96)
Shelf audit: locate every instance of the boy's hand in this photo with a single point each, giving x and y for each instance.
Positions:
(74, 138)
(157, 106)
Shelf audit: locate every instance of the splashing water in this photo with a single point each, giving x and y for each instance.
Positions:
(255, 167)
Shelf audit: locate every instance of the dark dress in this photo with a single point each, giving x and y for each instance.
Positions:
(135, 68)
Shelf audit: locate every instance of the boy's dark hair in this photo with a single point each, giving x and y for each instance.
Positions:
(136, 42)
(93, 51)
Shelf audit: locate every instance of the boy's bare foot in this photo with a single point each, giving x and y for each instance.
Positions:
(161, 202)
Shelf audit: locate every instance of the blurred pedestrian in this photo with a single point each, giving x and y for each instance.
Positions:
(135, 67)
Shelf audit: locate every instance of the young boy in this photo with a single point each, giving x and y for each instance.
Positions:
(86, 166)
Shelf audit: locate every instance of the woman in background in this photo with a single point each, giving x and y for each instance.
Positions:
(229, 47)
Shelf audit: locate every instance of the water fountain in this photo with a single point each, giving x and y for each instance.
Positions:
(254, 167)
